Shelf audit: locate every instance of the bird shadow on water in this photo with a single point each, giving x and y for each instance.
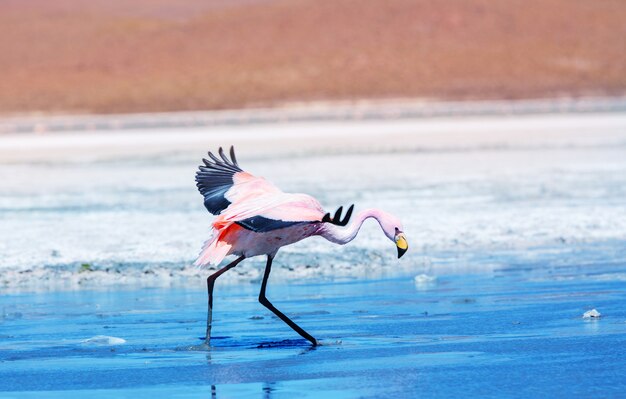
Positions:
(286, 343)
(246, 344)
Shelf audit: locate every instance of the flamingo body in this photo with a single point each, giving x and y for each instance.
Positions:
(237, 240)
(254, 217)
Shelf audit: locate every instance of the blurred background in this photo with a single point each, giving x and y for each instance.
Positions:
(116, 56)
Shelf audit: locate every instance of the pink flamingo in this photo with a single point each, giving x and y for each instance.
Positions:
(255, 218)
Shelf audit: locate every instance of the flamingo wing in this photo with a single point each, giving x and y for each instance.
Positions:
(283, 210)
(215, 178)
(249, 201)
(272, 211)
(261, 224)
(222, 182)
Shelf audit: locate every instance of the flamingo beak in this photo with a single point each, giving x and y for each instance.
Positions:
(402, 245)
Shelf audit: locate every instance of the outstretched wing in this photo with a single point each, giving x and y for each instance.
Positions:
(252, 202)
(272, 212)
(261, 224)
(222, 182)
(215, 178)
(249, 201)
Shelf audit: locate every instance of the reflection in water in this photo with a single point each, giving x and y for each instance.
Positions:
(267, 389)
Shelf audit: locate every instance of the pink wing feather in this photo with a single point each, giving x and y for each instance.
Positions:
(247, 197)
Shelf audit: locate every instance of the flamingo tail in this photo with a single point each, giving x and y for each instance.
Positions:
(213, 251)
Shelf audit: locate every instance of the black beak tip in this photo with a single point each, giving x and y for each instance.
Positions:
(401, 252)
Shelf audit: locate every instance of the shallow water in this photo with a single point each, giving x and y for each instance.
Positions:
(511, 333)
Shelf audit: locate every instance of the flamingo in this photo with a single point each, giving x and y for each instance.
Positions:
(256, 218)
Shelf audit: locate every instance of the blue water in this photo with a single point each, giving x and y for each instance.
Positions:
(518, 332)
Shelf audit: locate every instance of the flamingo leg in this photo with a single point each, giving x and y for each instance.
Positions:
(210, 282)
(268, 304)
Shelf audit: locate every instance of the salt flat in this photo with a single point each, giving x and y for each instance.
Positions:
(125, 204)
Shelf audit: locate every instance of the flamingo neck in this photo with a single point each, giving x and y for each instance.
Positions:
(345, 234)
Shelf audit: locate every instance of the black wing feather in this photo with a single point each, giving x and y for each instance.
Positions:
(336, 220)
(261, 224)
(215, 178)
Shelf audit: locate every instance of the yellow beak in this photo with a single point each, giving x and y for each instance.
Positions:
(402, 245)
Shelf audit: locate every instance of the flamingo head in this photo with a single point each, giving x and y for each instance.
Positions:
(394, 231)
(401, 244)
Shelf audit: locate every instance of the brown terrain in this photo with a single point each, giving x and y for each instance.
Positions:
(109, 56)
